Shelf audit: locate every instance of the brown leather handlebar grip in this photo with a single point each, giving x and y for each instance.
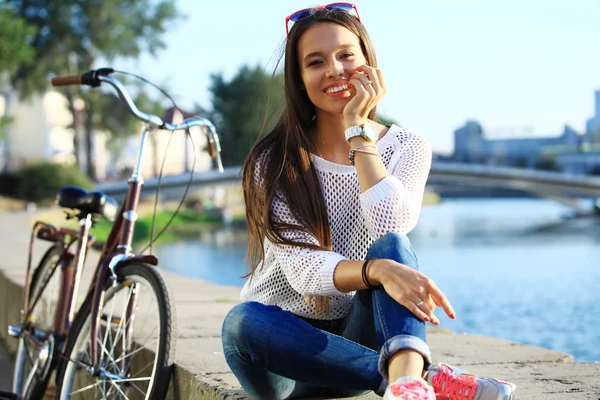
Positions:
(66, 80)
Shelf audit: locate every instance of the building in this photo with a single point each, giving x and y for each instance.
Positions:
(471, 146)
(41, 129)
(568, 152)
(584, 159)
(593, 124)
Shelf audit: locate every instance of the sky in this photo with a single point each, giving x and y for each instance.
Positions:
(519, 67)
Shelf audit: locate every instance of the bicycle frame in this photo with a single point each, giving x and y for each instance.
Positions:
(70, 264)
(117, 250)
(113, 255)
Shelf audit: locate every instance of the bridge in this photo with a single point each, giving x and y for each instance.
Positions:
(555, 185)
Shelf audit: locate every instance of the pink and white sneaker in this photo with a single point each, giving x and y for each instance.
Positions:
(409, 388)
(452, 383)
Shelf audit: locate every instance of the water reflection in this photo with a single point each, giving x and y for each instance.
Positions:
(512, 268)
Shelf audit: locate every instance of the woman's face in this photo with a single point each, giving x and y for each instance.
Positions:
(328, 55)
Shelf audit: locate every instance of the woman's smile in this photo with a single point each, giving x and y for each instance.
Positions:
(338, 90)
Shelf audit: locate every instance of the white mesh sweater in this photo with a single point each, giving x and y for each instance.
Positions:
(289, 273)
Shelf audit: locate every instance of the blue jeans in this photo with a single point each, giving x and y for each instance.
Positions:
(277, 355)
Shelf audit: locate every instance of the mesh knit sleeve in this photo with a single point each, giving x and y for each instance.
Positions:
(394, 204)
(308, 271)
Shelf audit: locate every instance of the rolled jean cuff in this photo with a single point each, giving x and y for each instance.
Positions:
(402, 342)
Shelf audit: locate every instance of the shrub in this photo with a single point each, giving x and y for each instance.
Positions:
(41, 181)
(9, 184)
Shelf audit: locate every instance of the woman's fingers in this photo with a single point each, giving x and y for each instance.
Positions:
(375, 75)
(415, 308)
(427, 310)
(441, 300)
(417, 293)
(364, 82)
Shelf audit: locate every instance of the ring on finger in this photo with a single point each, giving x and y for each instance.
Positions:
(420, 303)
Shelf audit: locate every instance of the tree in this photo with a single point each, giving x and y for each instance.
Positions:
(243, 107)
(71, 36)
(14, 48)
(13, 51)
(385, 120)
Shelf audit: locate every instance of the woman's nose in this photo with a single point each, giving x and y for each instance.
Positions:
(335, 69)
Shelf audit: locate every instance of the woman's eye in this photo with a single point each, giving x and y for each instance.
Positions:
(346, 55)
(314, 62)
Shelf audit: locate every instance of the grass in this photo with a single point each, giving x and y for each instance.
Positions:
(185, 222)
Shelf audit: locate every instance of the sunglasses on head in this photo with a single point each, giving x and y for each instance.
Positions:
(306, 12)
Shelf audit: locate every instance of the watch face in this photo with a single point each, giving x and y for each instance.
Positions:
(370, 132)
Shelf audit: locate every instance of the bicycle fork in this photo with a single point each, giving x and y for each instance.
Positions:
(109, 266)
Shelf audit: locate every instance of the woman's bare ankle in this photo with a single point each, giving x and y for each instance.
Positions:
(405, 363)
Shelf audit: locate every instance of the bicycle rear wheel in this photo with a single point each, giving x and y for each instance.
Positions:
(33, 360)
(143, 371)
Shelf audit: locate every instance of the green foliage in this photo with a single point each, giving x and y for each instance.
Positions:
(186, 220)
(14, 34)
(384, 120)
(243, 107)
(41, 181)
(72, 35)
(546, 163)
(5, 122)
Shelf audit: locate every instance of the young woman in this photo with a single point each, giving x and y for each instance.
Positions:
(335, 305)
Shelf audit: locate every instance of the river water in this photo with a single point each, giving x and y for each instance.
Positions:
(512, 268)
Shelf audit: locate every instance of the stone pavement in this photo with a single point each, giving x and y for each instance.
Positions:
(6, 370)
(201, 371)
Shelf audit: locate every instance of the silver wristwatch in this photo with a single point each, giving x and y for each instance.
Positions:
(365, 130)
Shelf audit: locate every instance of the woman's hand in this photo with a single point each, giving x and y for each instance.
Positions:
(369, 89)
(411, 288)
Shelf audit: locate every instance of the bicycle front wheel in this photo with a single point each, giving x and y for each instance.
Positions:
(136, 341)
(33, 360)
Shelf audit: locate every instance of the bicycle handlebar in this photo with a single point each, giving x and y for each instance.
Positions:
(95, 77)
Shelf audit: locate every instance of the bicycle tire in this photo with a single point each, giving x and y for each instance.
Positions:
(77, 344)
(37, 386)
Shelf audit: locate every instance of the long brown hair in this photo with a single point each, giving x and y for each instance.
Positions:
(283, 156)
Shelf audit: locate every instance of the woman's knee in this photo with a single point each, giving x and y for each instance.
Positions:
(394, 246)
(238, 322)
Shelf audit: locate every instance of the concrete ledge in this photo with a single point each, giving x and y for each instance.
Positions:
(202, 373)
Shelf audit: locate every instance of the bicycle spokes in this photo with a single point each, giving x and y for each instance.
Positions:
(127, 343)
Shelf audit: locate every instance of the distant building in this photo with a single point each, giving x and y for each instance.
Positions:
(592, 132)
(569, 152)
(584, 159)
(41, 129)
(471, 146)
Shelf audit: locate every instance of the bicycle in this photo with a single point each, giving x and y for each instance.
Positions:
(104, 349)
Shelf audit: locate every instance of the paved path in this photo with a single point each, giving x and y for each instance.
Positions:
(201, 371)
(6, 370)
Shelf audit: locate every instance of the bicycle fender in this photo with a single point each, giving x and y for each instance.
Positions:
(142, 258)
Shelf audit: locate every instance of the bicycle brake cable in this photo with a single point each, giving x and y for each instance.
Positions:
(154, 238)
